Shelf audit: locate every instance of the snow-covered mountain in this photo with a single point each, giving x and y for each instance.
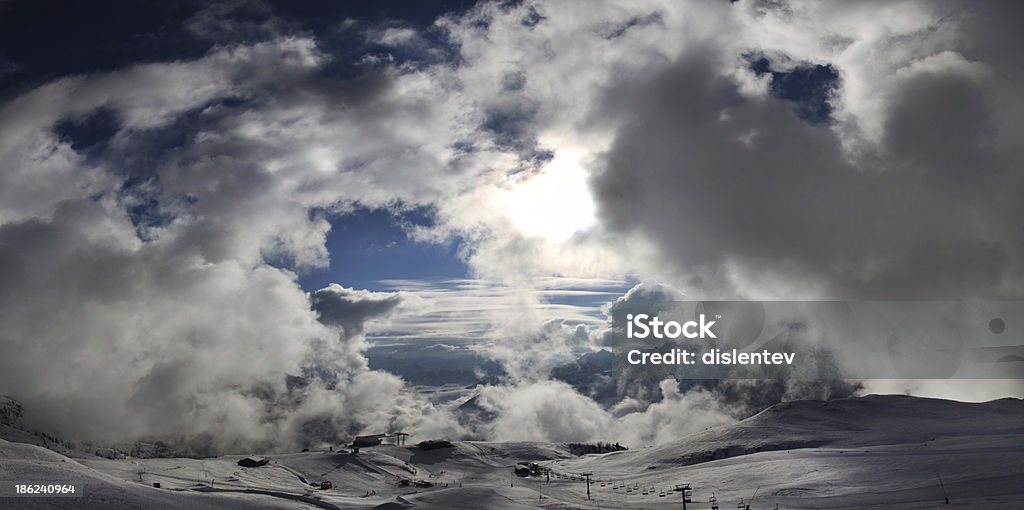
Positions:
(869, 452)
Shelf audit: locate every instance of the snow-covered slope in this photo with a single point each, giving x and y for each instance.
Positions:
(25, 462)
(870, 452)
(843, 423)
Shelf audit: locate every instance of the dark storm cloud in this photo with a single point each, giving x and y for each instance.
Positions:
(719, 181)
(350, 308)
(940, 126)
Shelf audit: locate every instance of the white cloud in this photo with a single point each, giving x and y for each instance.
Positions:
(554, 411)
(571, 139)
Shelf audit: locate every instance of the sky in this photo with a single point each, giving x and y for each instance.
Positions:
(211, 214)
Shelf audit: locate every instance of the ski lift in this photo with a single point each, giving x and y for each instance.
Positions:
(742, 504)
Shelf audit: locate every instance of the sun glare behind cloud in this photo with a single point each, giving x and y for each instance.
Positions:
(554, 204)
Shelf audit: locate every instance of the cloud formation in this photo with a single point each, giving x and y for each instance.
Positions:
(350, 308)
(554, 411)
(138, 282)
(149, 276)
(905, 194)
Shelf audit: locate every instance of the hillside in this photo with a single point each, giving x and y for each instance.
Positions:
(869, 452)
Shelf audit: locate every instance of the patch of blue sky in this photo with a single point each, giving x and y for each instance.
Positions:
(367, 246)
(807, 86)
